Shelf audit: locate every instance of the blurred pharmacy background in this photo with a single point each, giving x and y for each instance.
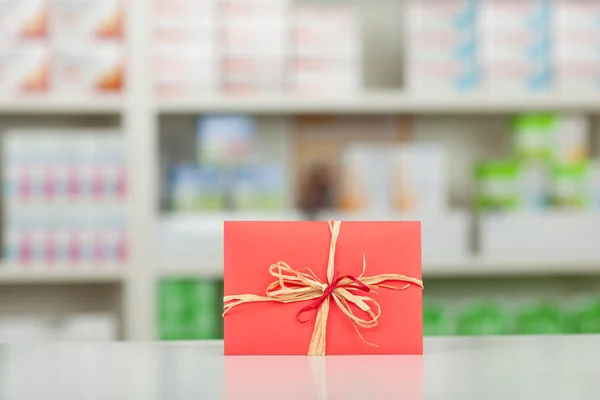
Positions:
(130, 129)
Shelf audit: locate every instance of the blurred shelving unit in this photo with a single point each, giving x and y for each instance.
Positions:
(9, 275)
(443, 115)
(398, 102)
(56, 106)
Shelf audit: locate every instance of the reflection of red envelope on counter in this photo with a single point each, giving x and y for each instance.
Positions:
(285, 295)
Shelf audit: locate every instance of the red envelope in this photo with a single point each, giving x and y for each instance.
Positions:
(270, 328)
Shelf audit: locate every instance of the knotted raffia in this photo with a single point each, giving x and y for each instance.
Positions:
(292, 286)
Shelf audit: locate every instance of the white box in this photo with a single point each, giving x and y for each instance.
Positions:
(24, 68)
(441, 14)
(252, 70)
(252, 40)
(419, 178)
(101, 19)
(185, 37)
(179, 73)
(25, 329)
(541, 236)
(23, 19)
(326, 32)
(202, 14)
(88, 67)
(88, 327)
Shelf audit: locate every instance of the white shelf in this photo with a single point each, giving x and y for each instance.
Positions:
(384, 103)
(62, 106)
(19, 275)
(475, 267)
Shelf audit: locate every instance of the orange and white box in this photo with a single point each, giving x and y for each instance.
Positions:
(326, 31)
(88, 67)
(253, 72)
(199, 14)
(320, 76)
(185, 37)
(24, 68)
(234, 11)
(179, 72)
(24, 19)
(98, 19)
(254, 40)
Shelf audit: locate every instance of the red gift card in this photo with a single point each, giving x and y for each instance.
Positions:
(284, 296)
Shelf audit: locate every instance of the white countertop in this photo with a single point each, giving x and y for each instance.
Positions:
(527, 367)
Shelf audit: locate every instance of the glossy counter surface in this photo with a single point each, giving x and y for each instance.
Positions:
(550, 367)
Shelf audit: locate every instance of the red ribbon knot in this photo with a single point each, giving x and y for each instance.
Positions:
(336, 284)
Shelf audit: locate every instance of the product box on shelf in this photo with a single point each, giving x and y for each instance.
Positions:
(517, 45)
(89, 67)
(442, 45)
(366, 178)
(540, 236)
(88, 327)
(497, 184)
(577, 37)
(326, 50)
(180, 71)
(198, 188)
(185, 57)
(225, 139)
(569, 183)
(99, 19)
(254, 39)
(64, 198)
(169, 15)
(405, 178)
(190, 309)
(233, 12)
(24, 19)
(250, 74)
(259, 187)
(326, 31)
(26, 68)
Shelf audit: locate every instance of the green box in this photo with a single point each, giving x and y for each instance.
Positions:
(483, 318)
(543, 318)
(570, 185)
(534, 134)
(497, 185)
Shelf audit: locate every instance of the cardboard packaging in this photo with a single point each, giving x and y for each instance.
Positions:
(99, 19)
(95, 67)
(359, 253)
(24, 19)
(25, 68)
(442, 45)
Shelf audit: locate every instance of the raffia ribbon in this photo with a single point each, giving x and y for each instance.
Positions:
(292, 286)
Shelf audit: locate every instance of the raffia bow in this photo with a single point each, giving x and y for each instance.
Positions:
(292, 286)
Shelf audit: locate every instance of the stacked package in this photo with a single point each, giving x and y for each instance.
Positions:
(550, 168)
(61, 46)
(185, 48)
(64, 199)
(577, 38)
(229, 174)
(24, 47)
(394, 178)
(517, 44)
(442, 49)
(254, 46)
(190, 309)
(88, 51)
(326, 50)
(253, 38)
(492, 317)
